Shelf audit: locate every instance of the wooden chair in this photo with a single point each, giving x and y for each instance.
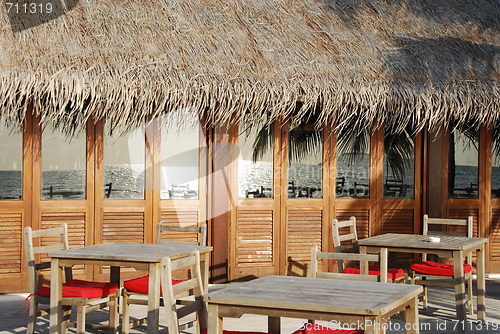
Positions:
(135, 290)
(350, 239)
(364, 275)
(85, 295)
(363, 259)
(431, 269)
(176, 312)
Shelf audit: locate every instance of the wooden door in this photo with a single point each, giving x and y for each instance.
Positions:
(15, 206)
(123, 192)
(255, 196)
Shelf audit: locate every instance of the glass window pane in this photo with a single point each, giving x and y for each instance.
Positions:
(353, 164)
(124, 164)
(180, 155)
(495, 164)
(11, 162)
(255, 161)
(399, 156)
(463, 164)
(63, 165)
(305, 167)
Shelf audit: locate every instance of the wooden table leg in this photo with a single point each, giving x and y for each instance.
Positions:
(411, 317)
(56, 278)
(114, 277)
(214, 321)
(460, 303)
(481, 284)
(274, 325)
(153, 298)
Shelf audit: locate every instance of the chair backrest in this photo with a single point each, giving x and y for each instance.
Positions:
(448, 227)
(201, 231)
(171, 292)
(55, 239)
(363, 260)
(350, 238)
(445, 224)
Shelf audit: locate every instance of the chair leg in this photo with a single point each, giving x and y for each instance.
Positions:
(125, 314)
(33, 310)
(80, 320)
(66, 318)
(470, 301)
(424, 299)
(113, 313)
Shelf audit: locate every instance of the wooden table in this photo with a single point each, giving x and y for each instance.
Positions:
(448, 247)
(137, 255)
(352, 303)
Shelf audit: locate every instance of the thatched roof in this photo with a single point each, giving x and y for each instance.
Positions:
(426, 61)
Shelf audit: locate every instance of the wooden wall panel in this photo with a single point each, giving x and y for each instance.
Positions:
(304, 229)
(463, 214)
(123, 227)
(179, 218)
(495, 235)
(362, 219)
(254, 233)
(398, 221)
(11, 230)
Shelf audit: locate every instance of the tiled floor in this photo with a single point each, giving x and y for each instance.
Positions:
(438, 318)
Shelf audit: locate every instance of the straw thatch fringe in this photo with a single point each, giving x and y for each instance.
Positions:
(410, 62)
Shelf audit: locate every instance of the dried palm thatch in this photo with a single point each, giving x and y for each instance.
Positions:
(423, 62)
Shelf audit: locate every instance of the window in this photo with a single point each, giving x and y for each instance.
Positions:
(495, 163)
(463, 163)
(255, 161)
(11, 162)
(399, 162)
(305, 161)
(124, 164)
(353, 163)
(63, 165)
(180, 155)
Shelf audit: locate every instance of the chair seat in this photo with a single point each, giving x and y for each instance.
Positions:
(439, 269)
(204, 331)
(80, 288)
(320, 329)
(141, 285)
(392, 273)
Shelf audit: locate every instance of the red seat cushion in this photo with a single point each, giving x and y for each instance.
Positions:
(204, 331)
(319, 329)
(141, 285)
(392, 273)
(440, 269)
(79, 288)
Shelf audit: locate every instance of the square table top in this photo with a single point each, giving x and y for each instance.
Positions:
(316, 294)
(418, 241)
(129, 251)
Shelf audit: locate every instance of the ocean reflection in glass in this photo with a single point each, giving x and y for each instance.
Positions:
(124, 164)
(180, 155)
(353, 163)
(255, 161)
(11, 163)
(463, 171)
(63, 165)
(305, 161)
(399, 164)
